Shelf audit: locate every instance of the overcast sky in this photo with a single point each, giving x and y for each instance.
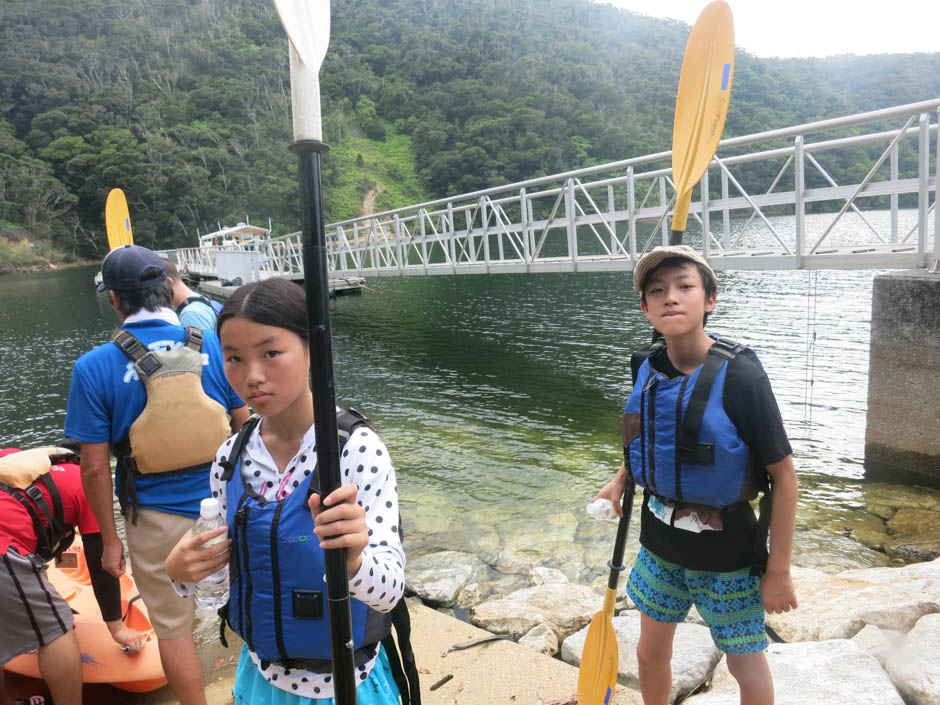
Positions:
(816, 27)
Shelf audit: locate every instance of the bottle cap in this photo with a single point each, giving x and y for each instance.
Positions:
(209, 508)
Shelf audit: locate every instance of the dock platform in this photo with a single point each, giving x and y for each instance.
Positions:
(339, 286)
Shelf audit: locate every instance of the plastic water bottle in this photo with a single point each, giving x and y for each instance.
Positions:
(211, 591)
(602, 510)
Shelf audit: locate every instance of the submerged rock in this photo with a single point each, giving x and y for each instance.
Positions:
(921, 547)
(911, 521)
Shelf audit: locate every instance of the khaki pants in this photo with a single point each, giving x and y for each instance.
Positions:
(149, 543)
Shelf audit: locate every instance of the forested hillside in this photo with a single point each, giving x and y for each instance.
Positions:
(185, 104)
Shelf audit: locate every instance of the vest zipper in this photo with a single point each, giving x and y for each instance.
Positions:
(685, 381)
(241, 520)
(651, 433)
(275, 565)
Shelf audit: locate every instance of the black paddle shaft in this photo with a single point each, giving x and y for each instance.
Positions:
(316, 284)
(616, 563)
(675, 237)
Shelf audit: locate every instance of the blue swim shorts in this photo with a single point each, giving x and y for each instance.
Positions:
(730, 602)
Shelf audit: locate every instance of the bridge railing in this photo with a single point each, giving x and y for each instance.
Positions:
(768, 201)
(605, 217)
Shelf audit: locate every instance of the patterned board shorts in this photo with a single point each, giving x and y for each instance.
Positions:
(729, 602)
(33, 614)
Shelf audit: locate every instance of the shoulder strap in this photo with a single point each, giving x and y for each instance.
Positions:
(347, 421)
(194, 338)
(191, 300)
(129, 344)
(689, 449)
(53, 539)
(637, 358)
(228, 465)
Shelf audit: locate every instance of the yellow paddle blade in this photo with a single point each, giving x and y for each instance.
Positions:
(702, 101)
(597, 676)
(117, 220)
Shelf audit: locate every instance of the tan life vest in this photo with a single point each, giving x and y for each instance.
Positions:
(181, 427)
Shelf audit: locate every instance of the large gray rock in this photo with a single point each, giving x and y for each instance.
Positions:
(437, 578)
(541, 638)
(694, 655)
(915, 667)
(564, 607)
(880, 643)
(839, 606)
(834, 672)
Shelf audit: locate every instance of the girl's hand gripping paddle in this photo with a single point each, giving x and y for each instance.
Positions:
(701, 105)
(597, 676)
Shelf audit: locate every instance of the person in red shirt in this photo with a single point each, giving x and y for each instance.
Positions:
(33, 614)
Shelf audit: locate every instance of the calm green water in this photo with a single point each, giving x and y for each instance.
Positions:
(500, 398)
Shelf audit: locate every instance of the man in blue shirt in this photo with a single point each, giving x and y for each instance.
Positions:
(193, 308)
(105, 399)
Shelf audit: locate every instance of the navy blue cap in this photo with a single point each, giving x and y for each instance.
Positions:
(130, 268)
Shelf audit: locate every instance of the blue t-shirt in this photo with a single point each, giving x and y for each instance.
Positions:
(200, 315)
(107, 396)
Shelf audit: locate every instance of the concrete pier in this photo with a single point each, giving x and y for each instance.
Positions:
(902, 439)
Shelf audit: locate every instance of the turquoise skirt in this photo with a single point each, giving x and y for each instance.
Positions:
(252, 689)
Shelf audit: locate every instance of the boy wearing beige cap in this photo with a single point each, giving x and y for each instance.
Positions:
(703, 437)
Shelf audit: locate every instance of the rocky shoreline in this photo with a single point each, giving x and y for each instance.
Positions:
(865, 636)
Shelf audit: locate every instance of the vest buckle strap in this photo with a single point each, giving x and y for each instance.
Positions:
(149, 364)
(308, 604)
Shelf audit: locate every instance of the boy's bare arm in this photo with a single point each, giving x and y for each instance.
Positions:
(777, 588)
(614, 489)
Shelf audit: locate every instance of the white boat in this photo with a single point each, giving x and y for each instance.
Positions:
(241, 236)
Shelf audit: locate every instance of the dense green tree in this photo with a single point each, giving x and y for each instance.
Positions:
(185, 104)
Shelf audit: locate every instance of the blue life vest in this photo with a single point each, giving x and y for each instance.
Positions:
(278, 597)
(678, 441)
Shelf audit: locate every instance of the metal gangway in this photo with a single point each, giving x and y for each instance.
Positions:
(605, 217)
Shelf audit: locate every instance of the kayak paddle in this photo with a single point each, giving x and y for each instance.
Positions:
(701, 105)
(117, 220)
(307, 25)
(597, 675)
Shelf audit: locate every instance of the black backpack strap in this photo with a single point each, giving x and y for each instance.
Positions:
(689, 450)
(637, 358)
(54, 537)
(238, 445)
(347, 420)
(759, 561)
(191, 300)
(33, 502)
(402, 658)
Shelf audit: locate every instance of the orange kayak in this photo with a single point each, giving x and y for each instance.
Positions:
(103, 661)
